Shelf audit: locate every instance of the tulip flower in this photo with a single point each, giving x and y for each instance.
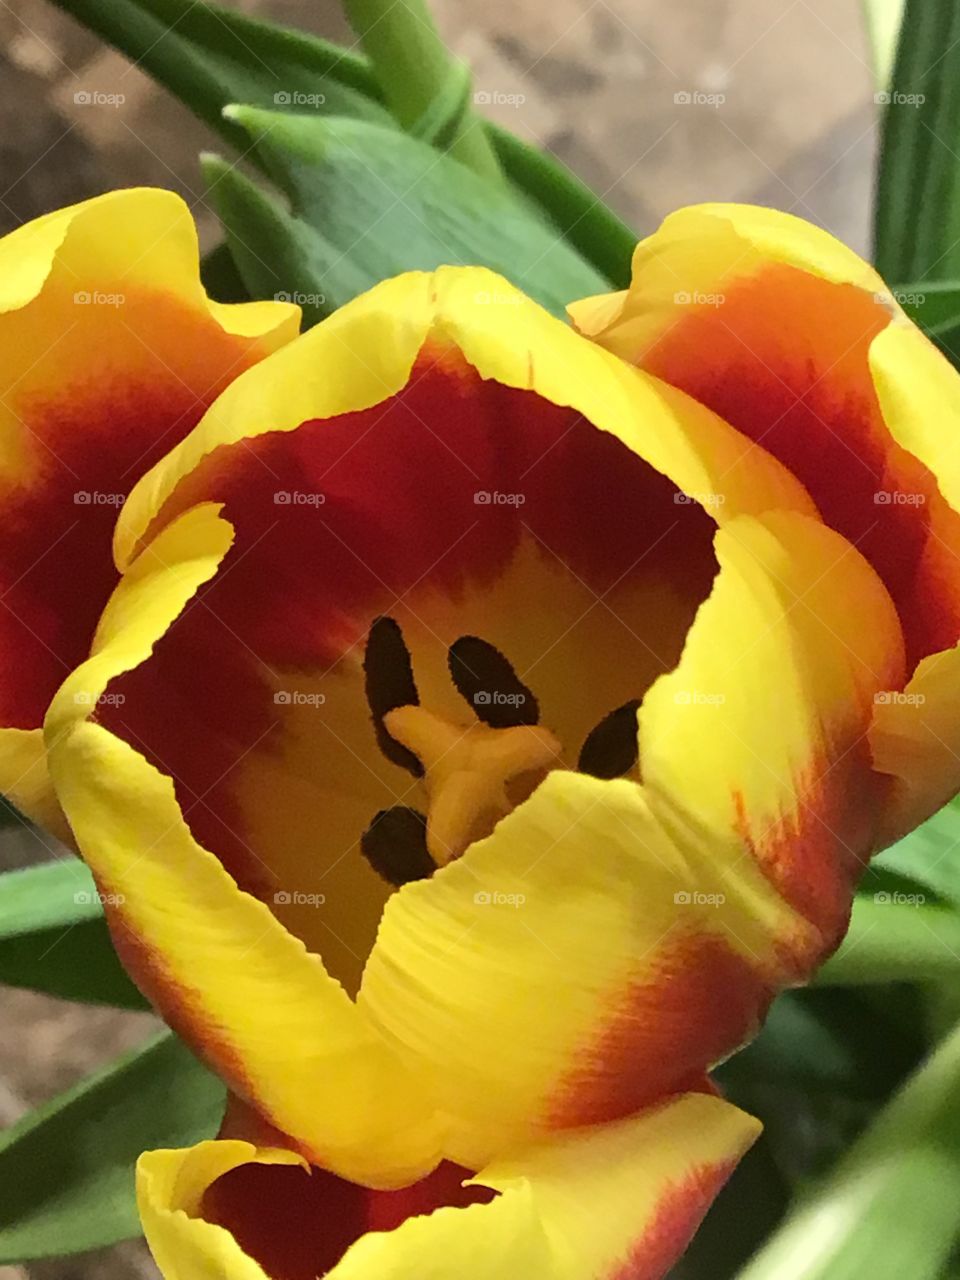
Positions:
(616, 1201)
(111, 352)
(474, 744)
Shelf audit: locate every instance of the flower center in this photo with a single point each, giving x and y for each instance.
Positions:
(474, 775)
(472, 772)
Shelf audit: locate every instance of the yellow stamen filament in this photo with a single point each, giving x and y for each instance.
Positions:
(468, 772)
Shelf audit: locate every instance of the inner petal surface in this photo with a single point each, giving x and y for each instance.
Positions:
(457, 508)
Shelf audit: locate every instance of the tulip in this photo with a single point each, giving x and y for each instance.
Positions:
(617, 1201)
(111, 352)
(474, 744)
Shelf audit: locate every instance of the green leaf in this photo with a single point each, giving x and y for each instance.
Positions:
(825, 1041)
(889, 1209)
(367, 203)
(929, 856)
(917, 215)
(66, 1170)
(883, 18)
(933, 305)
(817, 1071)
(53, 937)
(890, 941)
(208, 56)
(220, 277)
(420, 79)
(442, 117)
(275, 253)
(578, 213)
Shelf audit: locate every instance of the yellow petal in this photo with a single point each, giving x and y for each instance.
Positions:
(364, 353)
(219, 966)
(601, 1204)
(25, 780)
(916, 735)
(793, 339)
(170, 1190)
(756, 743)
(610, 942)
(109, 353)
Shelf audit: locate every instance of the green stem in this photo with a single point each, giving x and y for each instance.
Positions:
(889, 942)
(413, 66)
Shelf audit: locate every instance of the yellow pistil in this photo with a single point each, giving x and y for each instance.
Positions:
(474, 774)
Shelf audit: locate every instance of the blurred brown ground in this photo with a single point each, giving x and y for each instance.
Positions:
(598, 82)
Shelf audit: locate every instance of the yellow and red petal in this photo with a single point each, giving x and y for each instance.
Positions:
(532, 994)
(799, 344)
(218, 964)
(245, 714)
(110, 352)
(614, 1203)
